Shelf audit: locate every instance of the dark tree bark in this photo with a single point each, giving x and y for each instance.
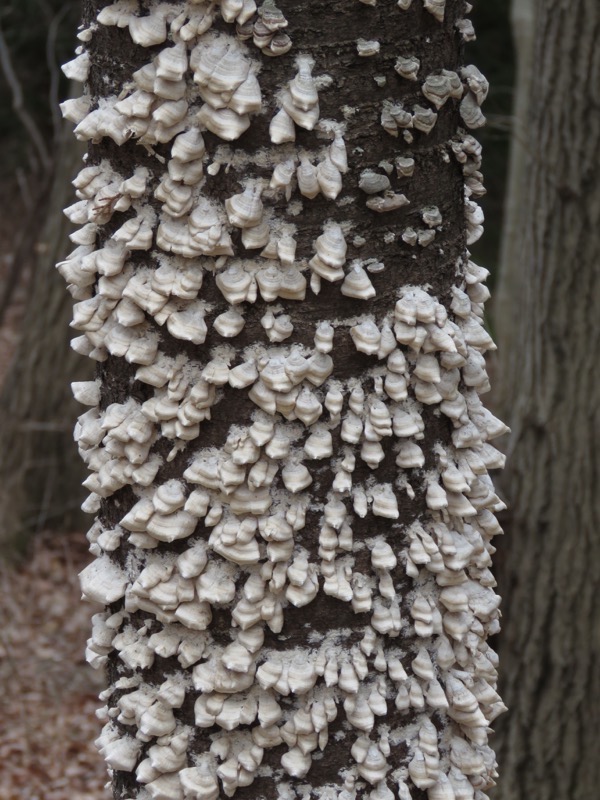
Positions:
(288, 461)
(550, 646)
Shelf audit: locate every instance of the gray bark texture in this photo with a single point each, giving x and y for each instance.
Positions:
(549, 343)
(512, 279)
(288, 452)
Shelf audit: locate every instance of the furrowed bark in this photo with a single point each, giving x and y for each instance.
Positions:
(549, 578)
(287, 446)
(512, 282)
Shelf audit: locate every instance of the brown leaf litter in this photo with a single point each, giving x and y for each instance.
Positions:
(48, 694)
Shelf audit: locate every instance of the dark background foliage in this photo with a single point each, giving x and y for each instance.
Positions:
(493, 54)
(39, 35)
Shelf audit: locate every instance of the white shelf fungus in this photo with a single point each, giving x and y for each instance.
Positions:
(262, 453)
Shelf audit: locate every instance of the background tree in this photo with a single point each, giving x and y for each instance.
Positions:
(287, 448)
(549, 337)
(38, 472)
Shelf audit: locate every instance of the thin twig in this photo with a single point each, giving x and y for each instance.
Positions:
(40, 425)
(43, 514)
(46, 10)
(23, 254)
(18, 105)
(54, 72)
(23, 184)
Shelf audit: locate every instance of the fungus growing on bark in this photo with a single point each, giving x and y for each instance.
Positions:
(296, 468)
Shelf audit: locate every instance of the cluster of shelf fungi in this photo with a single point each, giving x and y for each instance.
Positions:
(325, 484)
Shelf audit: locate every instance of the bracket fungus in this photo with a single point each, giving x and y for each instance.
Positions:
(276, 517)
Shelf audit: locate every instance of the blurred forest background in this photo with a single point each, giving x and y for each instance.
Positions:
(47, 694)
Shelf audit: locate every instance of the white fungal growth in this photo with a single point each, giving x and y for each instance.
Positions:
(439, 88)
(300, 101)
(258, 473)
(366, 48)
(436, 7)
(408, 67)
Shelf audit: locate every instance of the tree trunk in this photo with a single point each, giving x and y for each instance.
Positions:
(38, 471)
(512, 281)
(551, 643)
(287, 445)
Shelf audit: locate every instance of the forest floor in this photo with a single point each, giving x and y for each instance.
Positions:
(48, 694)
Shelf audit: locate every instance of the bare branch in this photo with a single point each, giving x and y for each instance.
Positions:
(24, 188)
(54, 71)
(19, 106)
